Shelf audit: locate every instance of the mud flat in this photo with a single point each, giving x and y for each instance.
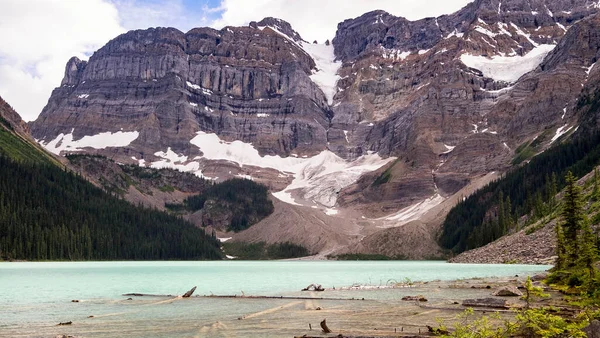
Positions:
(354, 311)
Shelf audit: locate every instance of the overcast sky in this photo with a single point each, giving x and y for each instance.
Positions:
(39, 36)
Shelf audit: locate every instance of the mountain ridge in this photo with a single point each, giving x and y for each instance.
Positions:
(393, 116)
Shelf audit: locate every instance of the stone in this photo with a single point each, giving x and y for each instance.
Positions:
(508, 291)
(593, 330)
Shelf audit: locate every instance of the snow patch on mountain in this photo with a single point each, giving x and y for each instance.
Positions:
(99, 141)
(172, 160)
(325, 76)
(560, 132)
(507, 68)
(318, 178)
(414, 211)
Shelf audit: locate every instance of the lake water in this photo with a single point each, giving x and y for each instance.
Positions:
(34, 297)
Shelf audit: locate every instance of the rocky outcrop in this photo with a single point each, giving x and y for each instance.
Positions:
(508, 291)
(10, 119)
(524, 247)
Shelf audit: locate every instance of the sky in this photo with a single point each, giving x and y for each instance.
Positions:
(37, 37)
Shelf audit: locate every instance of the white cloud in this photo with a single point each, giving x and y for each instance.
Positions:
(318, 19)
(39, 36)
(142, 14)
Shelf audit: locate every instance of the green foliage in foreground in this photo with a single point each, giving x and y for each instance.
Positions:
(574, 274)
(529, 322)
(47, 213)
(263, 251)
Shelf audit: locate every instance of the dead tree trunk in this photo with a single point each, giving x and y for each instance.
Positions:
(189, 293)
(324, 327)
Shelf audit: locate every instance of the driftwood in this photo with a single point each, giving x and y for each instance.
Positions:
(189, 293)
(65, 323)
(314, 287)
(437, 331)
(324, 326)
(487, 302)
(418, 298)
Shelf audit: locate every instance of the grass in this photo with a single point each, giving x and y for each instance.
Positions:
(20, 150)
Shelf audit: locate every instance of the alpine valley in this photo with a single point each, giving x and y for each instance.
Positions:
(365, 142)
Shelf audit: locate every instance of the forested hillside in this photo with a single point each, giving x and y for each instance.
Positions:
(529, 190)
(232, 205)
(49, 213)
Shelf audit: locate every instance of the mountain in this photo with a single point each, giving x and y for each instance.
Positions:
(49, 213)
(367, 141)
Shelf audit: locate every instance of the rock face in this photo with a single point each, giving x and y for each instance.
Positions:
(242, 83)
(446, 100)
(10, 119)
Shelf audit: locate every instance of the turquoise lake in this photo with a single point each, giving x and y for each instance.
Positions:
(35, 297)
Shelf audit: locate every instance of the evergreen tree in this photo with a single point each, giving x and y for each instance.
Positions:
(553, 192)
(561, 249)
(572, 213)
(588, 253)
(596, 190)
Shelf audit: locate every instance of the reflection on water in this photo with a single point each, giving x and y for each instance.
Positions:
(37, 296)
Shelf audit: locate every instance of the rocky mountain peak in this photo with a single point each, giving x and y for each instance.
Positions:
(281, 26)
(73, 71)
(527, 23)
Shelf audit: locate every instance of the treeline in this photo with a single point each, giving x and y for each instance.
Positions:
(494, 210)
(264, 251)
(48, 213)
(248, 200)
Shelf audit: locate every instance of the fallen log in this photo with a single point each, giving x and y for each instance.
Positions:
(145, 295)
(65, 323)
(314, 287)
(494, 303)
(324, 326)
(418, 298)
(189, 293)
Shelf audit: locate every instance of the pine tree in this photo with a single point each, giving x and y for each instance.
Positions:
(561, 249)
(553, 192)
(572, 213)
(501, 216)
(596, 190)
(588, 253)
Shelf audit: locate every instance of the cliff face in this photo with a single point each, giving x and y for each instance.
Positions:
(392, 118)
(454, 96)
(242, 83)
